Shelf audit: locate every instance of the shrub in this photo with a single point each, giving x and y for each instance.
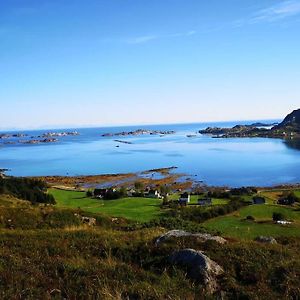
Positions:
(27, 189)
(277, 216)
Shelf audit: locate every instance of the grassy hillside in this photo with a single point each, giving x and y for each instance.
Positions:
(48, 253)
(136, 209)
(80, 262)
(235, 225)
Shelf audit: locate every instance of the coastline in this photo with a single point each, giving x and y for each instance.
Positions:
(157, 177)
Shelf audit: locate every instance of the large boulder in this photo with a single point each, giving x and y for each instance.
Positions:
(266, 240)
(181, 233)
(199, 267)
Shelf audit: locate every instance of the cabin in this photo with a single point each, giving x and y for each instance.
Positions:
(102, 193)
(205, 202)
(286, 201)
(131, 192)
(153, 194)
(258, 200)
(283, 222)
(184, 199)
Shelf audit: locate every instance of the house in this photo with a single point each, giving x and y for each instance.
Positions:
(286, 201)
(258, 200)
(205, 201)
(184, 199)
(282, 222)
(102, 193)
(131, 192)
(153, 194)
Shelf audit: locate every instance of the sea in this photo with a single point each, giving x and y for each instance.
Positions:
(232, 162)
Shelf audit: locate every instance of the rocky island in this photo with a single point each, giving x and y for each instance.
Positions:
(139, 132)
(48, 137)
(288, 128)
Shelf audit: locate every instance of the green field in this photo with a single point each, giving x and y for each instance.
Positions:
(136, 209)
(236, 226)
(194, 199)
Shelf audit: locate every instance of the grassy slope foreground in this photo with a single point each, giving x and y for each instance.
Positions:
(47, 257)
(46, 252)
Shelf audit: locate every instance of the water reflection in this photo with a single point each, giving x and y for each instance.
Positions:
(293, 143)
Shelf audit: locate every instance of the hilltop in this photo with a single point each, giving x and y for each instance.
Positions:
(288, 128)
(291, 122)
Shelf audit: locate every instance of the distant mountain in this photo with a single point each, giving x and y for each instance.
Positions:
(290, 122)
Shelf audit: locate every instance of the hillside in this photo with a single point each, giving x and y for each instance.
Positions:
(288, 128)
(290, 122)
(51, 253)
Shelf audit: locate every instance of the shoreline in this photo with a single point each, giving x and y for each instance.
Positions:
(152, 177)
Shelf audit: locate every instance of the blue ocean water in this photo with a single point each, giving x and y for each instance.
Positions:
(232, 162)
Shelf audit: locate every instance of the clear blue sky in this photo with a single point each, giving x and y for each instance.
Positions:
(108, 62)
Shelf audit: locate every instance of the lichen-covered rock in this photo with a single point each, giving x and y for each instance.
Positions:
(181, 233)
(266, 239)
(199, 267)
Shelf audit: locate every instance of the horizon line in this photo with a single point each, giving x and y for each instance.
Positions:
(48, 127)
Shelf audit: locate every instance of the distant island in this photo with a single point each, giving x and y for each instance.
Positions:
(289, 128)
(139, 132)
(48, 137)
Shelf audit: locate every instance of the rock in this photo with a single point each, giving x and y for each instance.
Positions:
(199, 267)
(181, 233)
(266, 240)
(89, 221)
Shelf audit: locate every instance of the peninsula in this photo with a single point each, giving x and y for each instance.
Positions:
(289, 128)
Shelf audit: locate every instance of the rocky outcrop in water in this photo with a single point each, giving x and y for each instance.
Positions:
(139, 132)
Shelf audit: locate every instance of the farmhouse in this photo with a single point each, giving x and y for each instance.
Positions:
(131, 192)
(153, 194)
(258, 200)
(102, 193)
(286, 201)
(205, 201)
(184, 199)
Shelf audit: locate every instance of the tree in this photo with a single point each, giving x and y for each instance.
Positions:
(277, 216)
(89, 193)
(139, 186)
(164, 189)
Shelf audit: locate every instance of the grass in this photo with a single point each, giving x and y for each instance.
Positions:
(236, 226)
(194, 199)
(49, 254)
(136, 209)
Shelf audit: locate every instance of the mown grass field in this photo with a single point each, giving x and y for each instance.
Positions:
(136, 209)
(194, 199)
(146, 209)
(235, 225)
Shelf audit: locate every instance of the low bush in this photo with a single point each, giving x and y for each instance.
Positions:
(26, 189)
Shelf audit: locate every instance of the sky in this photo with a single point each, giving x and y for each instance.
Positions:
(73, 63)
